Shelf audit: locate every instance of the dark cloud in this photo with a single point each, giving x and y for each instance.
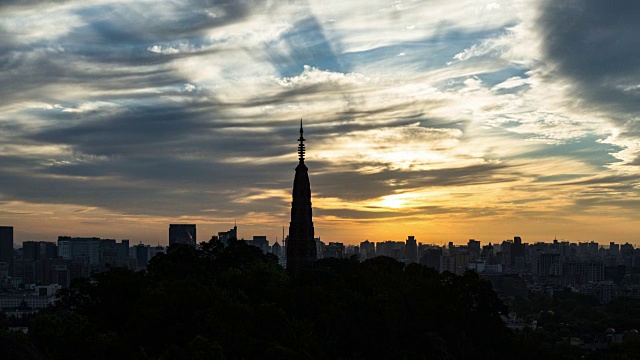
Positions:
(131, 131)
(355, 186)
(606, 180)
(595, 44)
(389, 214)
(607, 201)
(46, 74)
(167, 130)
(173, 21)
(142, 185)
(7, 5)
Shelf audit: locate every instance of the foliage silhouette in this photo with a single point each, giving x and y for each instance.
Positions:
(236, 302)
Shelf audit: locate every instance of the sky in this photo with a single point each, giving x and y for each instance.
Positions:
(446, 120)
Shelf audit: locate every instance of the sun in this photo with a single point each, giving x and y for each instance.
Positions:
(392, 201)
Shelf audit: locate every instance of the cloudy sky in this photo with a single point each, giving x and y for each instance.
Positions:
(446, 120)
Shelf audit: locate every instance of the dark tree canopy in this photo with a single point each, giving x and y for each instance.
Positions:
(236, 302)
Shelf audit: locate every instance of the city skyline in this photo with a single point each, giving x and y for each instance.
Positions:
(482, 120)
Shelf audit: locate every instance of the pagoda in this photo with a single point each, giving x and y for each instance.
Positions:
(301, 246)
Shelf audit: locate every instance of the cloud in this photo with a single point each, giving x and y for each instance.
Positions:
(592, 44)
(160, 50)
(151, 111)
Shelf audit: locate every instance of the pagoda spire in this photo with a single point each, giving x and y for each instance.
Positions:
(301, 149)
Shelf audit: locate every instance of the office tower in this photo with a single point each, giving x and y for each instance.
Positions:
(517, 254)
(6, 247)
(39, 250)
(85, 249)
(142, 255)
(276, 249)
(301, 247)
(123, 252)
(333, 250)
(225, 236)
(182, 234)
(411, 249)
(367, 250)
(113, 254)
(261, 242)
(474, 249)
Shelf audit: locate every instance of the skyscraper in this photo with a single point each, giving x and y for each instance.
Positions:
(225, 236)
(75, 248)
(39, 250)
(6, 247)
(301, 247)
(182, 234)
(411, 249)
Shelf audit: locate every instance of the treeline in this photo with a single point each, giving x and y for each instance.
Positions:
(237, 303)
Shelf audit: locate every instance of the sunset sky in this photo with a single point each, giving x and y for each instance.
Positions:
(446, 120)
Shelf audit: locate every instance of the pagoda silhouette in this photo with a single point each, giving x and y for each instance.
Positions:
(301, 247)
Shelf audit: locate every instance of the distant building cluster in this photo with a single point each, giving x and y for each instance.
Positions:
(31, 275)
(513, 267)
(516, 268)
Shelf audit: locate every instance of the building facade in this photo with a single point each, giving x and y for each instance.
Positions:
(87, 249)
(182, 234)
(6, 247)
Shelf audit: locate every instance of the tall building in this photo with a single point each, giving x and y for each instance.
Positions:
(517, 254)
(39, 250)
(225, 236)
(474, 249)
(333, 250)
(276, 249)
(411, 249)
(142, 253)
(394, 249)
(85, 249)
(113, 254)
(260, 242)
(301, 247)
(6, 247)
(367, 250)
(182, 234)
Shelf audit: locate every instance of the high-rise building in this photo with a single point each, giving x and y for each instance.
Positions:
(182, 234)
(474, 249)
(431, 258)
(367, 250)
(548, 264)
(411, 249)
(394, 249)
(6, 247)
(516, 254)
(276, 249)
(142, 253)
(113, 254)
(260, 242)
(225, 236)
(85, 249)
(301, 247)
(39, 250)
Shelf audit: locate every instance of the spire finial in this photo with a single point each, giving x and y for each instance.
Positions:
(301, 146)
